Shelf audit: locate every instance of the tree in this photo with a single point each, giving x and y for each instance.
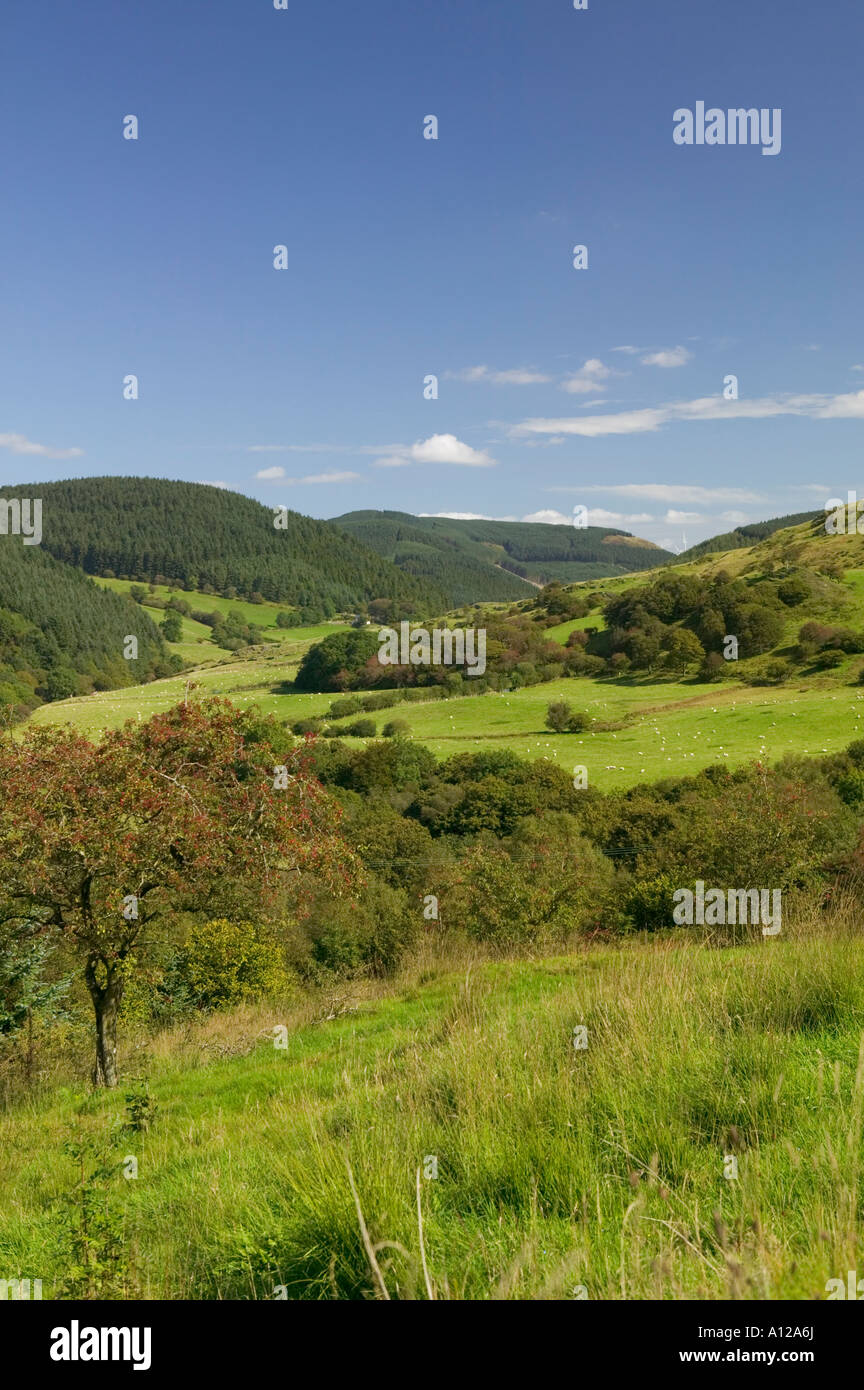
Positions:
(103, 844)
(558, 716)
(341, 652)
(684, 647)
(172, 628)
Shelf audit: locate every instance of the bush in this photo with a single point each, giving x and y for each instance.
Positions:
(225, 962)
(383, 699)
(341, 708)
(366, 934)
(361, 728)
(306, 726)
(828, 660)
(558, 716)
(396, 728)
(793, 591)
(650, 903)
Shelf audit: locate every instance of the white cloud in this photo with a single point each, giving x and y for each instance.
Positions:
(667, 492)
(277, 474)
(588, 378)
(207, 483)
(848, 406)
(549, 518)
(513, 376)
(438, 448)
(667, 357)
(599, 516)
(857, 367)
(19, 444)
(628, 348)
(673, 518)
(331, 478)
(467, 516)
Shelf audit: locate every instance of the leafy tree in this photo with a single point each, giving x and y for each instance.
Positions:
(102, 844)
(558, 716)
(323, 665)
(684, 648)
(172, 628)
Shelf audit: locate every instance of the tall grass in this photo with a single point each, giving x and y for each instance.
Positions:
(562, 1173)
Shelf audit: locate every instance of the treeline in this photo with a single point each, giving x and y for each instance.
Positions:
(62, 635)
(193, 536)
(517, 654)
(748, 535)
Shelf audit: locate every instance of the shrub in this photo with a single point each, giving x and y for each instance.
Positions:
(650, 902)
(225, 962)
(368, 934)
(558, 716)
(396, 728)
(828, 660)
(306, 726)
(382, 699)
(361, 728)
(793, 591)
(341, 708)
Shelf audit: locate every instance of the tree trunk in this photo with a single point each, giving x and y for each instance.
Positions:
(106, 996)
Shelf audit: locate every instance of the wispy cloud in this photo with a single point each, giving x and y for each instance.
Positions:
(599, 516)
(588, 379)
(657, 357)
(849, 406)
(19, 444)
(277, 475)
(667, 357)
(512, 376)
(667, 492)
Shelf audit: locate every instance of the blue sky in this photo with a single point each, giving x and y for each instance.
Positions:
(409, 257)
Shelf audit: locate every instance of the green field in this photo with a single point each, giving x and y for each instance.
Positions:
(262, 614)
(561, 1173)
(676, 727)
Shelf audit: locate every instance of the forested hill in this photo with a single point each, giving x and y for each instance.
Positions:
(198, 537)
(744, 536)
(498, 560)
(61, 634)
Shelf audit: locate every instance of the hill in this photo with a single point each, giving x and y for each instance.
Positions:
(62, 635)
(491, 561)
(751, 534)
(197, 537)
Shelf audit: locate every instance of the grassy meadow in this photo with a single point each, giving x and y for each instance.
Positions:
(561, 1173)
(671, 727)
